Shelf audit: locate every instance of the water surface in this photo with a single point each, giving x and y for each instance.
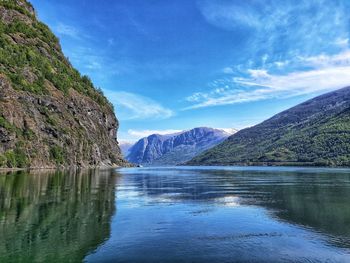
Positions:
(176, 214)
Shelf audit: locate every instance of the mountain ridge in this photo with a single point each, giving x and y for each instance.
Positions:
(315, 132)
(171, 149)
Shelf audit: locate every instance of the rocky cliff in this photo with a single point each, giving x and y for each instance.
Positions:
(316, 132)
(174, 149)
(50, 115)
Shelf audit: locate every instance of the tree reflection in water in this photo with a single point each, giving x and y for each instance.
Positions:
(54, 216)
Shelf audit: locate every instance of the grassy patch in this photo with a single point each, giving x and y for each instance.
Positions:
(57, 154)
(14, 159)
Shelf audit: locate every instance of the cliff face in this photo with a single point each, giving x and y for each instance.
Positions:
(316, 132)
(50, 115)
(174, 149)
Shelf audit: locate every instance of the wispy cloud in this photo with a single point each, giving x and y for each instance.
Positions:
(230, 15)
(228, 70)
(67, 30)
(145, 133)
(342, 42)
(279, 27)
(323, 73)
(134, 135)
(287, 53)
(296, 83)
(94, 65)
(87, 59)
(229, 130)
(130, 106)
(326, 61)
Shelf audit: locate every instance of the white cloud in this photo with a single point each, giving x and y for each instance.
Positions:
(229, 130)
(258, 73)
(144, 133)
(279, 28)
(229, 15)
(342, 43)
(228, 70)
(297, 83)
(130, 106)
(225, 98)
(126, 142)
(133, 135)
(93, 65)
(264, 58)
(326, 61)
(285, 52)
(63, 29)
(281, 64)
(326, 72)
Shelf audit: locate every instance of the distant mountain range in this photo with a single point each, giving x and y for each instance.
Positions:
(316, 132)
(176, 148)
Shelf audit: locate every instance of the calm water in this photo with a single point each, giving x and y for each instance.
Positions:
(176, 215)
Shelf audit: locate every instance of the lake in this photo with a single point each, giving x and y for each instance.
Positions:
(176, 214)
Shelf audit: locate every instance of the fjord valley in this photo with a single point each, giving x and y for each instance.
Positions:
(316, 133)
(174, 149)
(268, 182)
(50, 115)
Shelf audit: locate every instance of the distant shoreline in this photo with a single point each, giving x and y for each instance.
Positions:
(270, 164)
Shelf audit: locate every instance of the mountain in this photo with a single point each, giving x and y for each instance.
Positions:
(316, 132)
(174, 148)
(50, 115)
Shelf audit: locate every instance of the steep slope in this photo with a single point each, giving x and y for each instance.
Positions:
(50, 115)
(316, 132)
(174, 148)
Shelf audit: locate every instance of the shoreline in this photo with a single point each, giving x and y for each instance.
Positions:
(269, 164)
(49, 168)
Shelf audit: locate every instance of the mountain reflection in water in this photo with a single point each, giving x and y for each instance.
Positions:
(54, 216)
(177, 214)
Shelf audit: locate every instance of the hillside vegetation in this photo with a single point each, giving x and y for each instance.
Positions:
(50, 114)
(316, 132)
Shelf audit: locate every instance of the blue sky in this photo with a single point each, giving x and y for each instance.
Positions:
(171, 65)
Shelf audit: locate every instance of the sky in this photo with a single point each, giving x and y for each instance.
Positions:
(170, 65)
